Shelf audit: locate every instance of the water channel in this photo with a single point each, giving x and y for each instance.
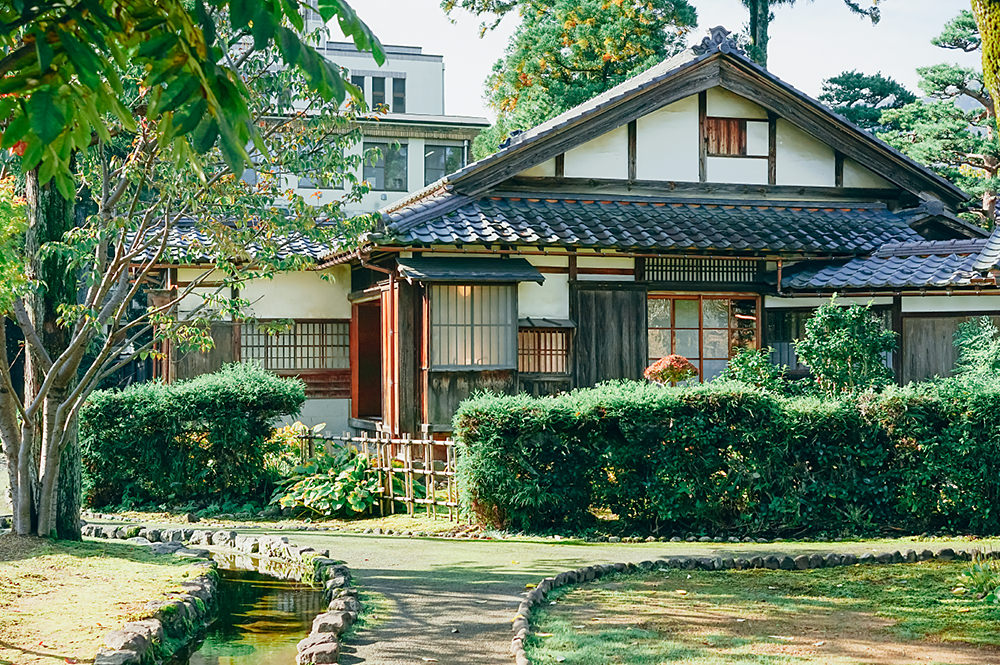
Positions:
(260, 620)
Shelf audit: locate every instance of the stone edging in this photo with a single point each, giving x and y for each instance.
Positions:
(181, 618)
(521, 625)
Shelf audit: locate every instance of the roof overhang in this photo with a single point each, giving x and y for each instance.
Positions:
(469, 270)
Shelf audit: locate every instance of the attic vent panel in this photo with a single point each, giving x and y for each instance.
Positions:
(736, 137)
(680, 271)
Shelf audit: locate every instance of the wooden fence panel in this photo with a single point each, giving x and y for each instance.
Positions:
(412, 472)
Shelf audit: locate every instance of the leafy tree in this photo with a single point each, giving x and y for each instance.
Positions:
(861, 98)
(954, 132)
(978, 343)
(86, 290)
(986, 17)
(761, 15)
(844, 348)
(565, 52)
(754, 368)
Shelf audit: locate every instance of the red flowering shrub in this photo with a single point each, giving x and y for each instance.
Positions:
(671, 369)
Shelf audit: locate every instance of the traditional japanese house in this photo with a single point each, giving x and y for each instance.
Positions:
(698, 208)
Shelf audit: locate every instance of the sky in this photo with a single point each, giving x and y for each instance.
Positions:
(809, 42)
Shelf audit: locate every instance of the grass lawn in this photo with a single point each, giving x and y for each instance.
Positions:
(886, 615)
(59, 599)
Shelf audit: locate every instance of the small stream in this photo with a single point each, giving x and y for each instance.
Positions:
(260, 620)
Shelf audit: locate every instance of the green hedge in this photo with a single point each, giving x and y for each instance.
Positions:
(729, 459)
(191, 441)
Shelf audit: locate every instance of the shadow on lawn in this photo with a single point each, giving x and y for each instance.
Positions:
(18, 548)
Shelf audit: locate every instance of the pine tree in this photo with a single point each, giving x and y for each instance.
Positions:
(861, 98)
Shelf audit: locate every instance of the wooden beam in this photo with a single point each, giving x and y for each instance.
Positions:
(560, 164)
(588, 187)
(632, 140)
(702, 137)
(772, 149)
(838, 168)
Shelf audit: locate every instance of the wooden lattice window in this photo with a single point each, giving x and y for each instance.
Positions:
(543, 350)
(473, 326)
(301, 346)
(679, 270)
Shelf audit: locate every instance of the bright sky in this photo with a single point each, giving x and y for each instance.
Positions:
(809, 42)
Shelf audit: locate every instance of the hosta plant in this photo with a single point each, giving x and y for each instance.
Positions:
(338, 484)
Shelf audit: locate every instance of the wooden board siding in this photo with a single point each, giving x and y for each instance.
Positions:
(446, 390)
(409, 316)
(928, 345)
(610, 338)
(189, 364)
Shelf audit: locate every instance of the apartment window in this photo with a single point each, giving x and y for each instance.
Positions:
(543, 350)
(736, 137)
(303, 346)
(387, 171)
(440, 160)
(707, 330)
(378, 91)
(399, 95)
(359, 81)
(473, 326)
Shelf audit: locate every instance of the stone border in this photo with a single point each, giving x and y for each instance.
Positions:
(521, 625)
(181, 619)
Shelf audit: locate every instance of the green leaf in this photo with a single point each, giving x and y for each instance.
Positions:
(46, 119)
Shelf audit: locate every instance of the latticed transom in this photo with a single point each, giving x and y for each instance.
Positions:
(543, 350)
(679, 270)
(305, 345)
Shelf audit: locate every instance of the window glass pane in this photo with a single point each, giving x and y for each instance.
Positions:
(359, 81)
(710, 369)
(715, 313)
(743, 314)
(686, 343)
(686, 313)
(659, 343)
(715, 343)
(378, 91)
(742, 338)
(473, 326)
(399, 95)
(388, 172)
(659, 314)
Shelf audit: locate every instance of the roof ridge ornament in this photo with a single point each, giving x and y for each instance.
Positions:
(718, 39)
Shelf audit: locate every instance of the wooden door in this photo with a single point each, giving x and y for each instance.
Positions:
(610, 338)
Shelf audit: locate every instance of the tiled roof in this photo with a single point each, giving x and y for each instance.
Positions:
(188, 243)
(989, 257)
(645, 223)
(463, 269)
(928, 264)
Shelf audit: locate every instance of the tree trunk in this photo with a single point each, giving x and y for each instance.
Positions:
(50, 216)
(760, 18)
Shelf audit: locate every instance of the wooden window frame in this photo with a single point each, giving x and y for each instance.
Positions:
(542, 353)
(432, 329)
(700, 298)
(321, 382)
(742, 124)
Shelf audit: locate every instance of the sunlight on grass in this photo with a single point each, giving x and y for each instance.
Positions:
(863, 614)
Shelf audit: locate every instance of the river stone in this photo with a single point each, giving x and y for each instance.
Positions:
(787, 563)
(138, 540)
(867, 558)
(192, 553)
(332, 622)
(925, 555)
(816, 560)
(946, 554)
(885, 557)
(772, 562)
(151, 628)
(153, 535)
(321, 654)
(126, 640)
(165, 548)
(832, 560)
(849, 559)
(345, 604)
(316, 639)
(801, 562)
(223, 537)
(117, 658)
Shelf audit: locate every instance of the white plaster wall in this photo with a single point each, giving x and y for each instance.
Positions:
(801, 159)
(334, 412)
(757, 138)
(737, 170)
(194, 300)
(424, 79)
(724, 104)
(959, 304)
(550, 299)
(775, 302)
(603, 157)
(667, 142)
(549, 261)
(583, 262)
(856, 175)
(544, 170)
(301, 295)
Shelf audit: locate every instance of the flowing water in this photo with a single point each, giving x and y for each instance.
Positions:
(260, 620)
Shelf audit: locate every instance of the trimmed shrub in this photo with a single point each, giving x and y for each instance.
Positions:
(727, 458)
(189, 441)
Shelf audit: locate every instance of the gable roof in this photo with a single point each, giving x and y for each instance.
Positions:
(717, 62)
(647, 223)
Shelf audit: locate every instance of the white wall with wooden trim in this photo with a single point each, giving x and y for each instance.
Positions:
(958, 303)
(667, 143)
(301, 295)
